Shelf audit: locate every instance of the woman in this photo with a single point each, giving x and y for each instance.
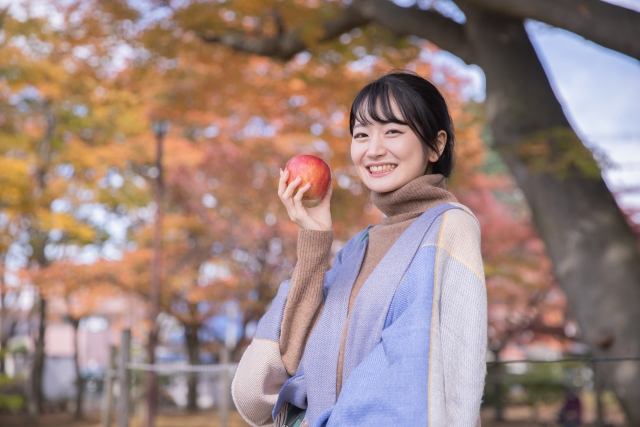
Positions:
(395, 332)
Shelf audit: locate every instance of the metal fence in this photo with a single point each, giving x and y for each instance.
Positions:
(124, 389)
(536, 390)
(509, 383)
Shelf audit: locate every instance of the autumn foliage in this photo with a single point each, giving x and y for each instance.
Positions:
(79, 86)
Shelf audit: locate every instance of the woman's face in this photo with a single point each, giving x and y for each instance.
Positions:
(389, 155)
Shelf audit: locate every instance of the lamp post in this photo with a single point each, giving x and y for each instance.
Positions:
(160, 129)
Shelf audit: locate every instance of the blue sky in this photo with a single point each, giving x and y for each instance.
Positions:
(600, 92)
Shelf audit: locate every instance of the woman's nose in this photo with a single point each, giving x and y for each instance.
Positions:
(376, 147)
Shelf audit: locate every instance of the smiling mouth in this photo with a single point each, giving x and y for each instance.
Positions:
(378, 170)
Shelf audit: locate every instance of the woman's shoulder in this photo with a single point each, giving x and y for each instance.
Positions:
(453, 223)
(462, 216)
(459, 237)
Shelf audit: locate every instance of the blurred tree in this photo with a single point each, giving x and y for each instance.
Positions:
(224, 237)
(596, 256)
(82, 295)
(9, 316)
(524, 306)
(61, 122)
(106, 70)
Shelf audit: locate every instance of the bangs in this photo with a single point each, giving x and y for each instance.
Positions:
(374, 104)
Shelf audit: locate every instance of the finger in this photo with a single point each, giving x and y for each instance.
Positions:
(301, 191)
(282, 183)
(327, 196)
(297, 200)
(288, 193)
(329, 192)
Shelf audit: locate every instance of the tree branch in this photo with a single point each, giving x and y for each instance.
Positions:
(283, 46)
(44, 147)
(608, 25)
(401, 21)
(286, 44)
(427, 24)
(277, 17)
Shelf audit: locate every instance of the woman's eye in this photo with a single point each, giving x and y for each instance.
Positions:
(360, 135)
(393, 131)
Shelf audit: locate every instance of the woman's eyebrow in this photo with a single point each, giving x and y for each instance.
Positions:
(358, 124)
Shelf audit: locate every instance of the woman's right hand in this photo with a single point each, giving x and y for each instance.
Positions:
(315, 218)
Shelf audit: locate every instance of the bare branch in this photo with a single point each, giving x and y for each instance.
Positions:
(427, 24)
(283, 46)
(286, 44)
(44, 147)
(350, 19)
(401, 21)
(608, 25)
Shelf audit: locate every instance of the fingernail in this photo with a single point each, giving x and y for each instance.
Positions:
(298, 177)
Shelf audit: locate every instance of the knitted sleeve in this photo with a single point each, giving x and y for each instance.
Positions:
(260, 374)
(304, 302)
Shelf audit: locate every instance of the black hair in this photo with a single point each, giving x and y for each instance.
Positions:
(421, 105)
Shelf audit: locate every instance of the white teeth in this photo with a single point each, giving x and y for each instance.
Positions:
(382, 168)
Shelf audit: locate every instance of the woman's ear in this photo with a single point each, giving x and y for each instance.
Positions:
(440, 143)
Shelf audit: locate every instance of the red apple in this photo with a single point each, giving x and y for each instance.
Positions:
(311, 169)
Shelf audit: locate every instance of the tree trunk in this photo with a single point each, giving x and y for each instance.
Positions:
(596, 258)
(496, 373)
(34, 406)
(191, 336)
(8, 323)
(156, 279)
(13, 324)
(598, 390)
(3, 314)
(38, 368)
(151, 379)
(78, 415)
